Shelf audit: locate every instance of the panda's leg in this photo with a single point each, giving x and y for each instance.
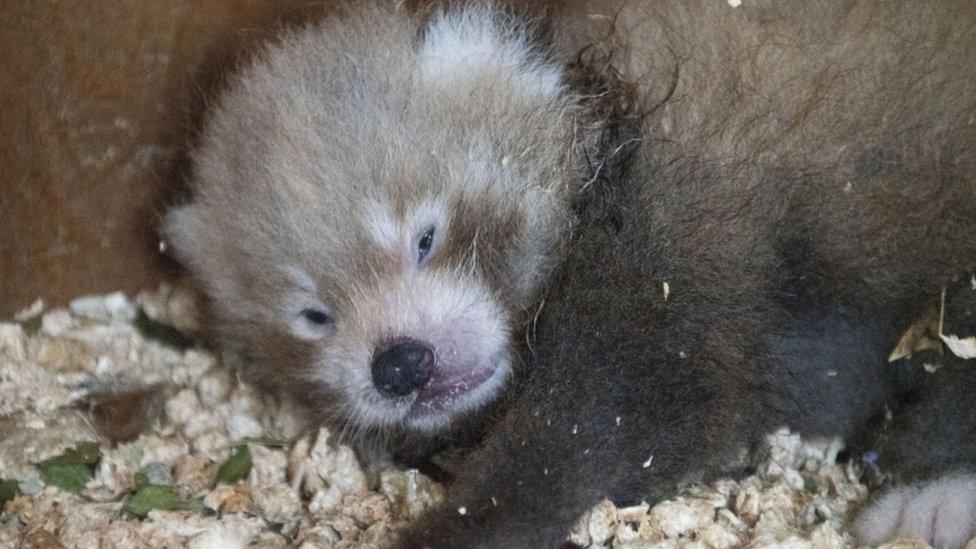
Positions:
(929, 453)
(831, 364)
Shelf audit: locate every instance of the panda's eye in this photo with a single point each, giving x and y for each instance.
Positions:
(316, 317)
(424, 244)
(312, 322)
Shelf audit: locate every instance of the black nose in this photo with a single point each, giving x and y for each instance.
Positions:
(403, 368)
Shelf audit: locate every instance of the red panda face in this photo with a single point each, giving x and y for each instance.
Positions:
(373, 211)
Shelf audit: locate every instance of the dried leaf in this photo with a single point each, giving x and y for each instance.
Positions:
(920, 336)
(8, 491)
(235, 468)
(165, 498)
(957, 318)
(71, 478)
(84, 453)
(73, 469)
(962, 348)
(32, 325)
(122, 415)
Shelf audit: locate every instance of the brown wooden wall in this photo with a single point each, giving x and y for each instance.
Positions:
(98, 103)
(97, 100)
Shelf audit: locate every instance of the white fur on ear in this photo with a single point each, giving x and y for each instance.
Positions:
(192, 240)
(941, 512)
(180, 229)
(466, 45)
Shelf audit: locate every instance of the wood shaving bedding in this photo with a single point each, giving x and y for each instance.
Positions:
(218, 464)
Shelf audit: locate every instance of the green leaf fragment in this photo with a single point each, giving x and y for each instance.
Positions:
(89, 453)
(235, 468)
(71, 478)
(197, 506)
(8, 491)
(72, 469)
(84, 453)
(32, 325)
(164, 498)
(809, 485)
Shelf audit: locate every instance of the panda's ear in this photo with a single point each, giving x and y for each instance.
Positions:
(181, 233)
(199, 246)
(466, 47)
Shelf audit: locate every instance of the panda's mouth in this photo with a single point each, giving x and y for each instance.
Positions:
(445, 390)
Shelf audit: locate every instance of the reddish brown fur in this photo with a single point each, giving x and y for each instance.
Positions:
(802, 168)
(806, 176)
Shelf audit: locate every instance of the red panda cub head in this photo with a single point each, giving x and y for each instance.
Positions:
(377, 199)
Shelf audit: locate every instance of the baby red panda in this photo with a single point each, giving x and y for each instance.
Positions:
(383, 202)
(377, 203)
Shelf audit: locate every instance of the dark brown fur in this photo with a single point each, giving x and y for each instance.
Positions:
(812, 165)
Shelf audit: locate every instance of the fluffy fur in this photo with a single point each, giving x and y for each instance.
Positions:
(328, 159)
(928, 448)
(941, 512)
(804, 181)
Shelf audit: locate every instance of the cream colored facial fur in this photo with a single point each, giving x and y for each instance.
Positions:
(331, 154)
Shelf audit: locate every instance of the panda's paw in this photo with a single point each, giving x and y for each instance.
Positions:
(941, 512)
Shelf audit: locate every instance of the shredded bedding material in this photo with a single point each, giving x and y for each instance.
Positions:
(115, 431)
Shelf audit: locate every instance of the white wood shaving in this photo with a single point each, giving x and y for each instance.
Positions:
(312, 493)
